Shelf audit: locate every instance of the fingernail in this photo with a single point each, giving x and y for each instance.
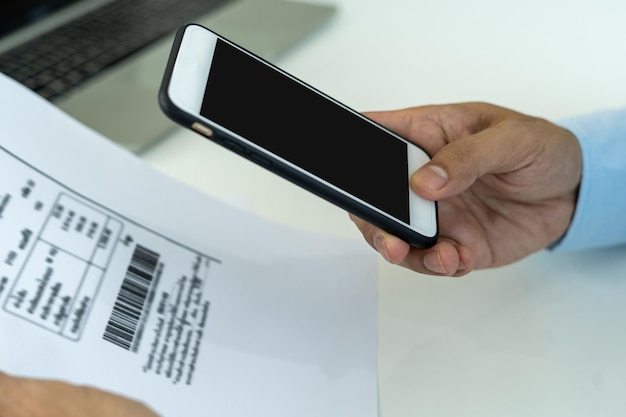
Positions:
(379, 244)
(432, 177)
(433, 263)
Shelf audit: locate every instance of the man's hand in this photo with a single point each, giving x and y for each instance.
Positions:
(506, 184)
(23, 397)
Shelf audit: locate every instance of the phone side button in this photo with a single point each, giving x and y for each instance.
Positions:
(234, 146)
(202, 129)
(260, 159)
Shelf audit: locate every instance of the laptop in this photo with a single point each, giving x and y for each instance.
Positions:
(102, 60)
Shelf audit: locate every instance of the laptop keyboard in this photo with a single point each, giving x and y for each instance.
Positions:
(60, 60)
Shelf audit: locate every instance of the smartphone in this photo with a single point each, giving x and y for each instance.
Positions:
(237, 99)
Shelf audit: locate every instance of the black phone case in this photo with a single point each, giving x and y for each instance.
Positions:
(279, 168)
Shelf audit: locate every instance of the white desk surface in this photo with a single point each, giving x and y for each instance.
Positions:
(543, 337)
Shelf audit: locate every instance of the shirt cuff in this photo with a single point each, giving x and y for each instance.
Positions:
(600, 216)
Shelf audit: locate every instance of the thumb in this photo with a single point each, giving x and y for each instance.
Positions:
(460, 163)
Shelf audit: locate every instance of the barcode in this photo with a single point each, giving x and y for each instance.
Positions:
(127, 310)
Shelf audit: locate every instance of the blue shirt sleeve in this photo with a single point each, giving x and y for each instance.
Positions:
(600, 216)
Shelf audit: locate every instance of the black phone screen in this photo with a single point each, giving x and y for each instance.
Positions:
(300, 125)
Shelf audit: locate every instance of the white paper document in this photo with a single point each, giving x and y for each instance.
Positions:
(116, 276)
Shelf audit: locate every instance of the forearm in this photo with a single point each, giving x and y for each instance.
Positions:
(600, 216)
